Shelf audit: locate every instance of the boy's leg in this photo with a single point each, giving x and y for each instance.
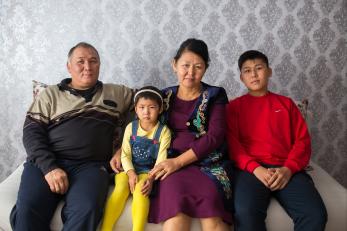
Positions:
(116, 201)
(140, 206)
(86, 196)
(251, 200)
(35, 204)
(303, 203)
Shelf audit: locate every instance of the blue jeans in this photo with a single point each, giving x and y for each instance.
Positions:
(299, 198)
(84, 200)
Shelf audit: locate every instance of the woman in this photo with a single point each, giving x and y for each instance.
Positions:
(194, 181)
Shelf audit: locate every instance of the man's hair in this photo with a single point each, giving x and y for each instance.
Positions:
(84, 45)
(251, 55)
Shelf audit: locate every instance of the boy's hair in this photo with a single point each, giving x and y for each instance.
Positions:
(251, 55)
(149, 92)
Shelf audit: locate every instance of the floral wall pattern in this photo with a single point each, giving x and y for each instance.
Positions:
(305, 41)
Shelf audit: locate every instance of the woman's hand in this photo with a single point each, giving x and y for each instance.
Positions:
(147, 186)
(165, 168)
(132, 180)
(115, 162)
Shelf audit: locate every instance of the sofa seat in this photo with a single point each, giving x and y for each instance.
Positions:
(333, 194)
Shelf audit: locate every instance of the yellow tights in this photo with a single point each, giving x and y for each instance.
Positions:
(116, 202)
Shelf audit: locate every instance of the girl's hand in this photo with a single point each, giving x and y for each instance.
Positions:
(132, 180)
(147, 186)
(115, 162)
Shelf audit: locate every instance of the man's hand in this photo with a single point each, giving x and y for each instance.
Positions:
(147, 186)
(115, 162)
(280, 178)
(57, 181)
(132, 176)
(263, 174)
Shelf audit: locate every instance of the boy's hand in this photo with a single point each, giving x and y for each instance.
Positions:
(132, 180)
(147, 186)
(115, 162)
(264, 174)
(280, 179)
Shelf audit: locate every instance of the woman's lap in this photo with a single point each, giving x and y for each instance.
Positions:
(187, 191)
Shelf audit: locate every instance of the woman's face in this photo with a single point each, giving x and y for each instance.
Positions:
(189, 69)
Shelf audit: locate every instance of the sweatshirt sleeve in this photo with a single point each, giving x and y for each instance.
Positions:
(237, 152)
(300, 153)
(165, 140)
(126, 157)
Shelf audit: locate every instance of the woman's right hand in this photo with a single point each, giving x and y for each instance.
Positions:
(165, 168)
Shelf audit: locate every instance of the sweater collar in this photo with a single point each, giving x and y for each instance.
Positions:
(86, 94)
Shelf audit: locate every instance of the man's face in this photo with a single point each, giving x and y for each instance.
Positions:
(83, 66)
(255, 75)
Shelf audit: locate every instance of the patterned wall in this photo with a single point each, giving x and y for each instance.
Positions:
(305, 41)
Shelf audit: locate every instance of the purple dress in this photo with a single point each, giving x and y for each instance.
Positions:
(189, 190)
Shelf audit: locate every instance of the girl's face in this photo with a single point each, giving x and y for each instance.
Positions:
(147, 110)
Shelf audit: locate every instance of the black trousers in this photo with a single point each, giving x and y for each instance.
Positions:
(84, 200)
(299, 198)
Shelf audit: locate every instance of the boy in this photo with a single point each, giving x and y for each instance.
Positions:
(270, 144)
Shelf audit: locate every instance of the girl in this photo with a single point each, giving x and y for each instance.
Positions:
(145, 144)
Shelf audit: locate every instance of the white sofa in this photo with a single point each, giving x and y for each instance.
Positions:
(334, 196)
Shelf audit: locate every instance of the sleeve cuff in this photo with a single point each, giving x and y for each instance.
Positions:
(251, 166)
(293, 167)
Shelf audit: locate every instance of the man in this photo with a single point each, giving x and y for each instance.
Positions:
(70, 135)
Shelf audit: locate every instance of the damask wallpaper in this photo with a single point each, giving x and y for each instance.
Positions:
(305, 41)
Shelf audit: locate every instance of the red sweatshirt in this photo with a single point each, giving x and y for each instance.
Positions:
(268, 129)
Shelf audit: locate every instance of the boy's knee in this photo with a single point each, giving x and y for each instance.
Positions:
(317, 216)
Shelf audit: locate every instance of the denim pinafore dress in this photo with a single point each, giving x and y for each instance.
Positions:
(144, 150)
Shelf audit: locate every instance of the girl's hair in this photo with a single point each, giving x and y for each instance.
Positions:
(196, 46)
(149, 92)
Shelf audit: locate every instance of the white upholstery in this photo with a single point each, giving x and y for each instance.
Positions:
(334, 196)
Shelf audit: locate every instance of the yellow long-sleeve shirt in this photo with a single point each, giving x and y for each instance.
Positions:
(164, 144)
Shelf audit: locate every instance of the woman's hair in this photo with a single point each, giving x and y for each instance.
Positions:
(196, 46)
(149, 92)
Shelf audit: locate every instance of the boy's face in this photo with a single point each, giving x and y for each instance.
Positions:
(255, 75)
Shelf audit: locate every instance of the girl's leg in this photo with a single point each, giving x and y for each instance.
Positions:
(213, 224)
(179, 222)
(116, 202)
(140, 205)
